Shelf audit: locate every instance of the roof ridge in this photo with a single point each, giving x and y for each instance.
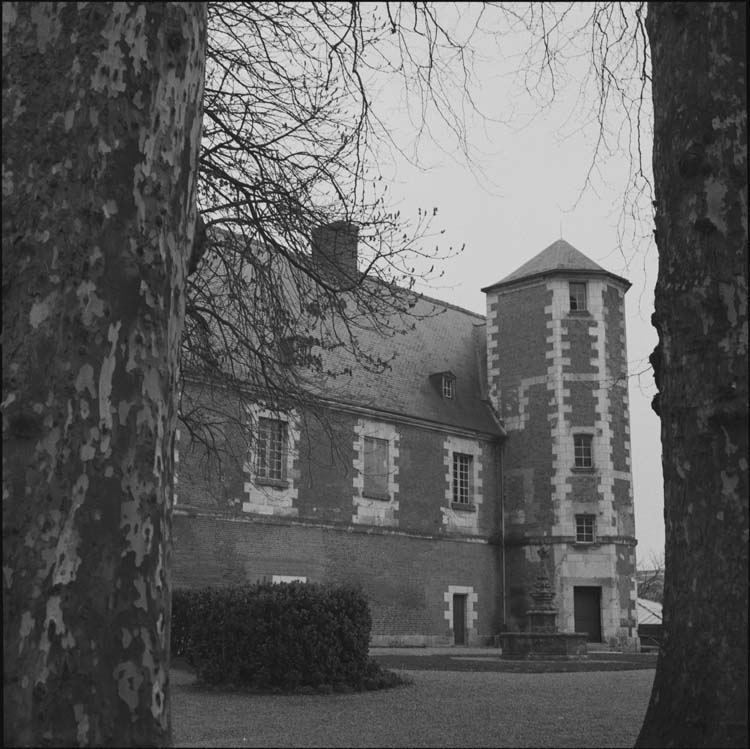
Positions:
(450, 305)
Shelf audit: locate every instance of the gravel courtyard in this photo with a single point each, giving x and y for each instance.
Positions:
(441, 708)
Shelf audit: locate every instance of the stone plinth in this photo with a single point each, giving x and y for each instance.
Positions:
(542, 621)
(543, 645)
(543, 641)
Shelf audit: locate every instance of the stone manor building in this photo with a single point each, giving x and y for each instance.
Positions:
(489, 437)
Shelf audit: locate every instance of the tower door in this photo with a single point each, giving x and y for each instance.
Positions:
(587, 608)
(459, 619)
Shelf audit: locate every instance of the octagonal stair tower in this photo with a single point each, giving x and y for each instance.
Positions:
(557, 370)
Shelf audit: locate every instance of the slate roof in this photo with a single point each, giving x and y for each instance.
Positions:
(447, 339)
(560, 256)
(444, 338)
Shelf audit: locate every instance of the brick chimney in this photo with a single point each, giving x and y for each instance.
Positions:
(334, 248)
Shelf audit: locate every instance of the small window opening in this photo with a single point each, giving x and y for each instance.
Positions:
(449, 387)
(585, 529)
(578, 302)
(582, 451)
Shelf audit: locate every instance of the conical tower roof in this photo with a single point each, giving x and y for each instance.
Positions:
(559, 257)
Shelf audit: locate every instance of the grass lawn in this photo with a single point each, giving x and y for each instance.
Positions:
(440, 708)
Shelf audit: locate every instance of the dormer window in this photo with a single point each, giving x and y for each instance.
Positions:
(449, 386)
(297, 350)
(444, 384)
(578, 301)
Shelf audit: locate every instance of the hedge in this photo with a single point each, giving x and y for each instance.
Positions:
(274, 635)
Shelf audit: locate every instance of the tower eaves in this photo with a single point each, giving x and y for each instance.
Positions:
(559, 257)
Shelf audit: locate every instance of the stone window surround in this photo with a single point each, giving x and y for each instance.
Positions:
(374, 492)
(375, 510)
(462, 479)
(269, 496)
(585, 445)
(585, 527)
(276, 463)
(471, 448)
(578, 296)
(472, 612)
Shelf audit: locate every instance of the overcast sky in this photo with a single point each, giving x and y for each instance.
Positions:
(529, 195)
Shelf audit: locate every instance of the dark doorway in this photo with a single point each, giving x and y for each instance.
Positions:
(459, 619)
(587, 607)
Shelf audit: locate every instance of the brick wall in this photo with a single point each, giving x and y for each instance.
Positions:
(324, 477)
(210, 473)
(422, 479)
(326, 459)
(518, 370)
(320, 527)
(405, 578)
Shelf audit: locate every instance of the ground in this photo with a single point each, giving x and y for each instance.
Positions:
(459, 697)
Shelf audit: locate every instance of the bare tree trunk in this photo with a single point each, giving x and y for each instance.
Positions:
(102, 112)
(700, 169)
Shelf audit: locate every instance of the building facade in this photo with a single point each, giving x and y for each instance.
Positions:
(433, 484)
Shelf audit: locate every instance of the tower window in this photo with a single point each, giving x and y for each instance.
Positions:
(582, 451)
(585, 529)
(578, 302)
(449, 387)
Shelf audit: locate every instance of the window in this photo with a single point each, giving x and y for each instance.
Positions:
(449, 387)
(585, 529)
(296, 350)
(287, 350)
(271, 453)
(578, 297)
(582, 451)
(462, 471)
(376, 468)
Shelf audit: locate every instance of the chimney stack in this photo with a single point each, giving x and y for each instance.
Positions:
(334, 249)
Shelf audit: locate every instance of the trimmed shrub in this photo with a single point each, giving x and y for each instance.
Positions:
(181, 608)
(274, 636)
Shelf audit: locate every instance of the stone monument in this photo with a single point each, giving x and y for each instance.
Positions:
(542, 640)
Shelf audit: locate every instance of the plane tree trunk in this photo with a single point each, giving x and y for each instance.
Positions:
(699, 696)
(102, 106)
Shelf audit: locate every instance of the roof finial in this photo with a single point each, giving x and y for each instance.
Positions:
(560, 228)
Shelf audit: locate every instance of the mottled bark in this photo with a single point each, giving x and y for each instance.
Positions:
(101, 129)
(700, 171)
